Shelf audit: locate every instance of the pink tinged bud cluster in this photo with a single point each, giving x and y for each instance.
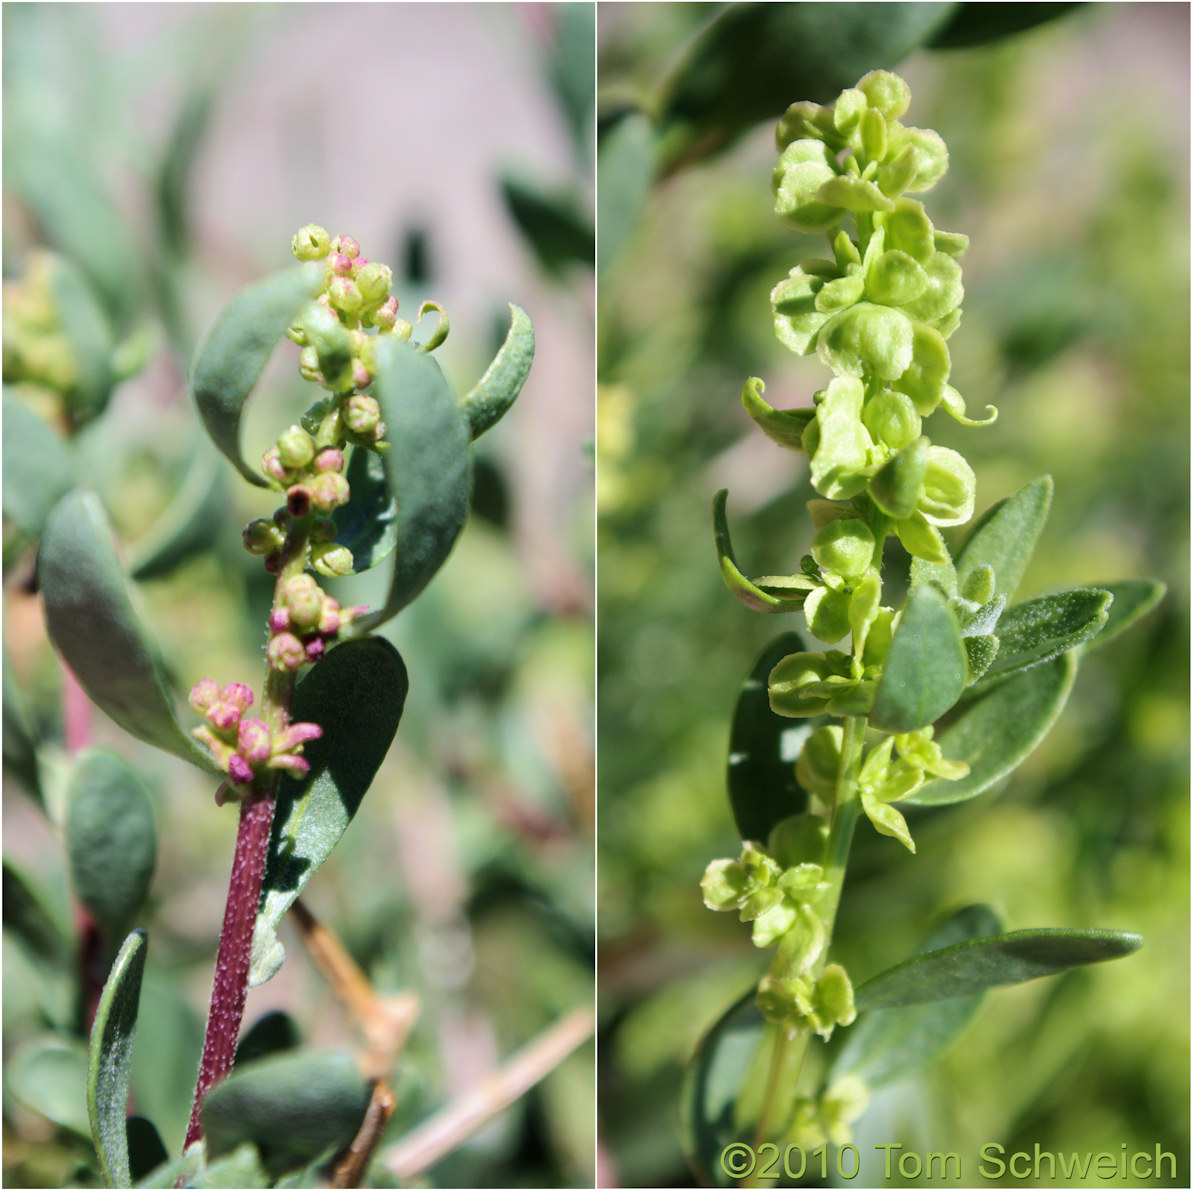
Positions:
(304, 624)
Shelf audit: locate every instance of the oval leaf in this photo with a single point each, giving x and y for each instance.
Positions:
(763, 750)
(38, 467)
(111, 841)
(368, 523)
(1005, 536)
(293, 1108)
(625, 167)
(711, 1108)
(427, 469)
(91, 341)
(49, 1075)
(20, 737)
(886, 1045)
(96, 627)
(356, 694)
(995, 734)
(485, 404)
(234, 351)
(978, 964)
(111, 1054)
(1037, 630)
(925, 670)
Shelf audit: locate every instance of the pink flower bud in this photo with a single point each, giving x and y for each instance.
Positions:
(315, 649)
(347, 245)
(345, 297)
(298, 766)
(288, 739)
(253, 741)
(239, 695)
(304, 600)
(239, 770)
(204, 693)
(385, 314)
(279, 620)
(271, 465)
(220, 749)
(340, 264)
(273, 563)
(298, 500)
(224, 793)
(329, 490)
(223, 716)
(329, 622)
(361, 376)
(330, 460)
(286, 652)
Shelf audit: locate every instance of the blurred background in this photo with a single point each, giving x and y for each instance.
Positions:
(167, 153)
(1069, 152)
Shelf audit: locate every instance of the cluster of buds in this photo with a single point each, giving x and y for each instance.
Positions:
(245, 747)
(781, 889)
(304, 623)
(826, 1118)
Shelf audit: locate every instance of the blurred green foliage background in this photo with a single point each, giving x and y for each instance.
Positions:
(1069, 171)
(169, 152)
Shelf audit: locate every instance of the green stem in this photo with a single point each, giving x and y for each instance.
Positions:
(791, 1049)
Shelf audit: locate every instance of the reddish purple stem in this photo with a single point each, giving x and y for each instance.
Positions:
(230, 987)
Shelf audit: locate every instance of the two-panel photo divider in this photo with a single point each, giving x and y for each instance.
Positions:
(596, 595)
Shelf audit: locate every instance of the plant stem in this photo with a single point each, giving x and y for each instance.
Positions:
(792, 1049)
(230, 987)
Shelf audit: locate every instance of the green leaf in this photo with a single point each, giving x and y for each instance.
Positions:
(763, 750)
(189, 523)
(111, 841)
(293, 1108)
(784, 426)
(925, 670)
(752, 60)
(1133, 598)
(786, 593)
(1005, 536)
(356, 694)
(553, 224)
(94, 623)
(146, 1150)
(978, 964)
(49, 1075)
(28, 916)
(427, 467)
(232, 354)
(625, 168)
(112, 1038)
(485, 404)
(20, 738)
(979, 24)
(886, 1045)
(1037, 630)
(275, 1032)
(177, 1172)
(726, 1062)
(997, 732)
(39, 468)
(242, 1168)
(91, 340)
(368, 523)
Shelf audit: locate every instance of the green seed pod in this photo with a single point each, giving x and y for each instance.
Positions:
(891, 418)
(803, 168)
(819, 761)
(296, 448)
(898, 486)
(723, 885)
(827, 614)
(844, 547)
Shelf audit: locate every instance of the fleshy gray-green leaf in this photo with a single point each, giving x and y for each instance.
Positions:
(886, 1045)
(94, 623)
(712, 1087)
(271, 1034)
(356, 694)
(1005, 536)
(19, 738)
(925, 670)
(428, 470)
(190, 521)
(625, 168)
(91, 340)
(49, 1075)
(242, 1168)
(763, 750)
(1039, 629)
(293, 1108)
(111, 840)
(486, 403)
(112, 1038)
(368, 523)
(997, 732)
(29, 917)
(232, 354)
(38, 467)
(1133, 598)
(978, 964)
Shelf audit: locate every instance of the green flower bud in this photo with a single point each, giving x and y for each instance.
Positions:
(345, 297)
(310, 243)
(261, 536)
(296, 448)
(374, 282)
(329, 490)
(331, 560)
(772, 923)
(285, 652)
(833, 1000)
(303, 598)
(323, 529)
(308, 363)
(347, 245)
(361, 414)
(402, 329)
(844, 547)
